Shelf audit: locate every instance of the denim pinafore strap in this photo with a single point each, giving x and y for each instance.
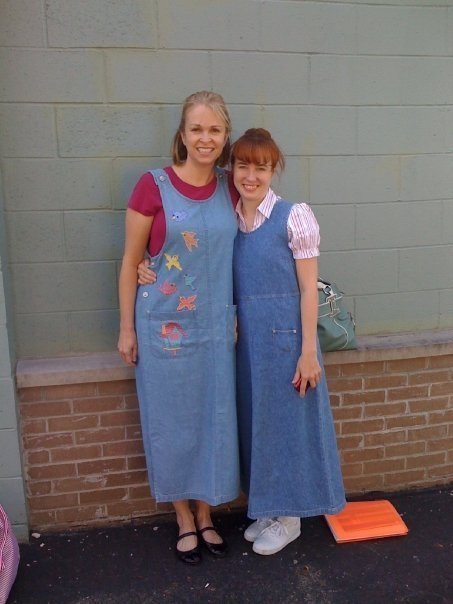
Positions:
(288, 450)
(186, 364)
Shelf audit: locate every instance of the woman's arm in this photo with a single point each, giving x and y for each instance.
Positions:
(138, 228)
(308, 369)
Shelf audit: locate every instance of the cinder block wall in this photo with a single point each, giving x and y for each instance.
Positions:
(84, 460)
(359, 94)
(12, 496)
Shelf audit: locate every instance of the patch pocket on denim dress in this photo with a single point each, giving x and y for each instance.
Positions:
(286, 340)
(173, 334)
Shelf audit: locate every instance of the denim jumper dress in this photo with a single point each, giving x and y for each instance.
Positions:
(288, 451)
(185, 372)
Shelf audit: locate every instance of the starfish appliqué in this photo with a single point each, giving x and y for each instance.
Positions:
(187, 303)
(172, 261)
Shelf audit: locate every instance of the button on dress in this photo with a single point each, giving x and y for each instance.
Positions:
(186, 353)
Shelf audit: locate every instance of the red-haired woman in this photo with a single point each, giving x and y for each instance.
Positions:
(288, 452)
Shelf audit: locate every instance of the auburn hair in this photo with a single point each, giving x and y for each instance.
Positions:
(256, 146)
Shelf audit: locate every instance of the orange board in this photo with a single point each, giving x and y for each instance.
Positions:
(361, 520)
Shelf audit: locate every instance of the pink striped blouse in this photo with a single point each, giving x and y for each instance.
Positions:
(303, 228)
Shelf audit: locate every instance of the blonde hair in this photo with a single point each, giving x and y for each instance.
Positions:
(215, 102)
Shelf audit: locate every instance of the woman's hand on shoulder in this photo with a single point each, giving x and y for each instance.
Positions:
(145, 276)
(127, 346)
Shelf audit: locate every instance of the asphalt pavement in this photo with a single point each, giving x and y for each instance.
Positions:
(136, 564)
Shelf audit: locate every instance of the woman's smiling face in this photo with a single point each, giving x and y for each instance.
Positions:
(252, 180)
(204, 135)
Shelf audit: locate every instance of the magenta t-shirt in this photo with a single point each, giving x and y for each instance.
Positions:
(146, 200)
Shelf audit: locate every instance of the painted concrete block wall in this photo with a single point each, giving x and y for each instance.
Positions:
(359, 94)
(12, 496)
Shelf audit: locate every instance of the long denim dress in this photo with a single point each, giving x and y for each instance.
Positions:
(186, 368)
(288, 449)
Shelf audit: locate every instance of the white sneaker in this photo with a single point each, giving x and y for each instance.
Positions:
(253, 531)
(277, 536)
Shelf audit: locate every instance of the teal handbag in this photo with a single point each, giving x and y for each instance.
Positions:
(336, 327)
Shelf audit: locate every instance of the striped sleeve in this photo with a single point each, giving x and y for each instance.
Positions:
(303, 232)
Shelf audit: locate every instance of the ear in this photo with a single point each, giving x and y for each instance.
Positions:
(183, 139)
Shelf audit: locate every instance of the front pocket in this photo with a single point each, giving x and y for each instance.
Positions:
(286, 340)
(173, 335)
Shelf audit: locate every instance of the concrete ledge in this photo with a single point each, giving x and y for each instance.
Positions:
(108, 366)
(95, 367)
(395, 346)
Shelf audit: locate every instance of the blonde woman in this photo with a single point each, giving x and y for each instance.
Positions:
(179, 330)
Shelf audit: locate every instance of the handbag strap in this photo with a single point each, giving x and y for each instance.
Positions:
(330, 306)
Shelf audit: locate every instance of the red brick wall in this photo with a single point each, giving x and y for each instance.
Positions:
(83, 453)
(394, 421)
(84, 461)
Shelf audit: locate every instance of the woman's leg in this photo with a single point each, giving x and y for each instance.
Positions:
(203, 519)
(186, 523)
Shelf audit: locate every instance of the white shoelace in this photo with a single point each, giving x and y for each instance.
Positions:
(276, 528)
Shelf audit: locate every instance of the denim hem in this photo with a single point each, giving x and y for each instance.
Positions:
(161, 498)
(321, 511)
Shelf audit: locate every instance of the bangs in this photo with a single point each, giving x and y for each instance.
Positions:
(256, 146)
(256, 152)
